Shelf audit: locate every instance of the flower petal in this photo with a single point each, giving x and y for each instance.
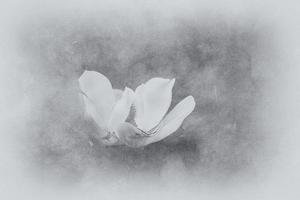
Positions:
(131, 135)
(91, 111)
(121, 109)
(118, 94)
(173, 120)
(139, 106)
(153, 100)
(99, 91)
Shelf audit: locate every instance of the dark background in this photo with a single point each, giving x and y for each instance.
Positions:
(214, 60)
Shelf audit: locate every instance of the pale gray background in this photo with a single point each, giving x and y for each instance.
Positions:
(239, 60)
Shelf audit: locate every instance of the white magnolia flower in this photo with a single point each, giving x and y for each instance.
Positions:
(150, 101)
(107, 107)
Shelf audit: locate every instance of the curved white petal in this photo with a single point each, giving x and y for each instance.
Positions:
(139, 106)
(153, 100)
(131, 135)
(91, 111)
(121, 109)
(173, 120)
(99, 91)
(118, 94)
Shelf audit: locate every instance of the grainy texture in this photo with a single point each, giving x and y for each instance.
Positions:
(239, 61)
(215, 62)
